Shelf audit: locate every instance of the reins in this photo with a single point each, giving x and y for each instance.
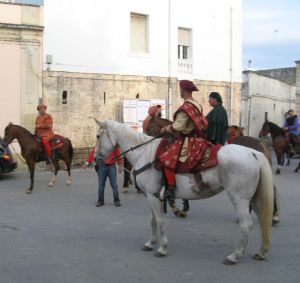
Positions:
(137, 146)
(17, 154)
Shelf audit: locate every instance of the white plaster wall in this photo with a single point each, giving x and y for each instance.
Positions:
(10, 80)
(266, 95)
(94, 36)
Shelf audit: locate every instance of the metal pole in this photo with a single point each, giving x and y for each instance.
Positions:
(169, 99)
(230, 70)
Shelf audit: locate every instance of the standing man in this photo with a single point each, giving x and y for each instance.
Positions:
(43, 128)
(217, 120)
(106, 168)
(189, 147)
(153, 111)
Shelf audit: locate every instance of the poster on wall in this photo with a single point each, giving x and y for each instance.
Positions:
(135, 111)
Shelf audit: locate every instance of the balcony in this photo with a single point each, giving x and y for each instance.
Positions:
(185, 69)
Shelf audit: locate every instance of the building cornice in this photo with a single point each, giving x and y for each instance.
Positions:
(21, 27)
(19, 4)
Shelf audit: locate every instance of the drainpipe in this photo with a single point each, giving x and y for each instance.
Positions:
(230, 69)
(169, 99)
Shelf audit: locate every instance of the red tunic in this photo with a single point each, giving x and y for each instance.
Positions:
(44, 126)
(196, 144)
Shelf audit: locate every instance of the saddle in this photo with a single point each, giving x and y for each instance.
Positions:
(207, 160)
(55, 142)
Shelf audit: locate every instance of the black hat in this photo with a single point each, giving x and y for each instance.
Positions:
(216, 96)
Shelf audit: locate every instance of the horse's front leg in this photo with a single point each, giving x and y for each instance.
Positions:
(54, 174)
(153, 240)
(31, 166)
(160, 224)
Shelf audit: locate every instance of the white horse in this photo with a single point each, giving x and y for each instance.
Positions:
(244, 173)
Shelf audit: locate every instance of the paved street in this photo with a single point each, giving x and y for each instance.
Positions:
(58, 235)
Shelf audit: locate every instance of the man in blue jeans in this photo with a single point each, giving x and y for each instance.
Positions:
(106, 168)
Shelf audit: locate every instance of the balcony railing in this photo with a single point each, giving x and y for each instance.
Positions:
(185, 68)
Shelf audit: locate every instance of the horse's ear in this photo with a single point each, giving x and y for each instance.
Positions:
(100, 124)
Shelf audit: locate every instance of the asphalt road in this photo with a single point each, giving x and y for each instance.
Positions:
(58, 235)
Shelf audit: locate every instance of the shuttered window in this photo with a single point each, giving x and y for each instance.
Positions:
(184, 43)
(139, 33)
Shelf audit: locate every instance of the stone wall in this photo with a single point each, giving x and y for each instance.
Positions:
(297, 109)
(101, 96)
(286, 74)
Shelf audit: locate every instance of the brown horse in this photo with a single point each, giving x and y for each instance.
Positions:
(279, 141)
(31, 152)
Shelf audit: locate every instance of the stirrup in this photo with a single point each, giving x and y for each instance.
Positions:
(162, 195)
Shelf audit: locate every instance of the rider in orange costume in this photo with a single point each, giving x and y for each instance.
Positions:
(43, 127)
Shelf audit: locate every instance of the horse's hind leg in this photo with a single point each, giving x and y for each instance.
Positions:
(153, 240)
(245, 222)
(279, 162)
(68, 164)
(56, 168)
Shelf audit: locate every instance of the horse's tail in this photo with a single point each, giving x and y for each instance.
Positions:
(71, 150)
(264, 200)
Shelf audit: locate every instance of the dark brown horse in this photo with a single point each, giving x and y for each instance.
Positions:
(31, 152)
(279, 142)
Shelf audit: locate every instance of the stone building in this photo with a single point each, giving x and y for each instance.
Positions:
(21, 55)
(269, 94)
(74, 97)
(99, 55)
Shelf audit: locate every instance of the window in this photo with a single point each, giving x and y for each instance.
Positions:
(184, 43)
(139, 33)
(64, 97)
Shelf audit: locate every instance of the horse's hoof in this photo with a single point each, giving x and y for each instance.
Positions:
(28, 192)
(179, 213)
(258, 257)
(158, 254)
(277, 172)
(146, 249)
(227, 261)
(68, 184)
(275, 220)
(50, 185)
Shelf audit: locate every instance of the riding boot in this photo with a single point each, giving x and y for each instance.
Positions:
(48, 160)
(171, 195)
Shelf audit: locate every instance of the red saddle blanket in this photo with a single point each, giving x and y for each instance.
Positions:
(55, 142)
(207, 160)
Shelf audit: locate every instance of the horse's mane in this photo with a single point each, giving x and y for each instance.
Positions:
(127, 132)
(24, 130)
(277, 130)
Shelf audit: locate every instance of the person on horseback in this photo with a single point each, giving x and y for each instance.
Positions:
(188, 146)
(217, 120)
(291, 128)
(153, 111)
(43, 129)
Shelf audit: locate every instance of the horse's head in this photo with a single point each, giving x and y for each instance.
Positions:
(264, 130)
(9, 134)
(106, 140)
